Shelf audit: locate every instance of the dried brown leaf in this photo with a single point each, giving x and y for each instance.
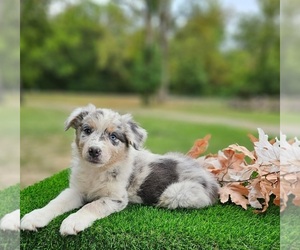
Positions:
(199, 147)
(252, 138)
(243, 150)
(232, 159)
(237, 193)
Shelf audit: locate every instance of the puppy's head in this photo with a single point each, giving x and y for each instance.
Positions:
(103, 137)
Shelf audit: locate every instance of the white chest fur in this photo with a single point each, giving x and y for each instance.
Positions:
(93, 182)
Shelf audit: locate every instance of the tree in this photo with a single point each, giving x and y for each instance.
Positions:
(35, 29)
(70, 58)
(116, 49)
(151, 63)
(259, 36)
(197, 64)
(164, 26)
(83, 49)
(140, 47)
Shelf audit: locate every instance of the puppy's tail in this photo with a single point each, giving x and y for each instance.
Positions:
(188, 194)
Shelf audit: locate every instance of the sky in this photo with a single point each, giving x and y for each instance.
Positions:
(239, 6)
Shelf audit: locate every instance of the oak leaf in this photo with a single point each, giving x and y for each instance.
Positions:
(237, 193)
(243, 150)
(266, 152)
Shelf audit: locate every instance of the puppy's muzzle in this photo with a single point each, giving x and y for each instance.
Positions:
(94, 152)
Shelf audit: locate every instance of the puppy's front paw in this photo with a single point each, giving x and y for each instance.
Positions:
(74, 224)
(34, 220)
(11, 221)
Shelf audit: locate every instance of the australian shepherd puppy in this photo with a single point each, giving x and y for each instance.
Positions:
(110, 168)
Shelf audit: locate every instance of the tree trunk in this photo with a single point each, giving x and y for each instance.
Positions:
(164, 47)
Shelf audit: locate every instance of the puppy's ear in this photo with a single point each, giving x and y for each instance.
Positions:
(135, 134)
(77, 116)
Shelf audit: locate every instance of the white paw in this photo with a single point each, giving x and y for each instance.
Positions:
(11, 221)
(75, 223)
(34, 220)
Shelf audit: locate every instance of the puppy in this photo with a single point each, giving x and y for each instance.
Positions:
(109, 169)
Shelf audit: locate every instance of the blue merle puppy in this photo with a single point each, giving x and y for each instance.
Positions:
(110, 168)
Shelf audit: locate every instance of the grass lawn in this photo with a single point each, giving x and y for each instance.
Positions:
(9, 142)
(223, 226)
(198, 106)
(46, 147)
(290, 227)
(9, 200)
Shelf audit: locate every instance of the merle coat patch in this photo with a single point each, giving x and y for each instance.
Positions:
(163, 173)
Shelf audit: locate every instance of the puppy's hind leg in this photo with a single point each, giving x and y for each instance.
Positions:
(186, 194)
(67, 200)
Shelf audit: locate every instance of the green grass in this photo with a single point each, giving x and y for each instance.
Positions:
(11, 126)
(290, 227)
(166, 135)
(43, 130)
(199, 106)
(38, 122)
(223, 226)
(9, 200)
(221, 107)
(163, 135)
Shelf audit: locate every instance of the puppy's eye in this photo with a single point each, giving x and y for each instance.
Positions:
(113, 137)
(87, 130)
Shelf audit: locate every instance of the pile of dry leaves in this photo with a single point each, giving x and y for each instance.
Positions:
(252, 177)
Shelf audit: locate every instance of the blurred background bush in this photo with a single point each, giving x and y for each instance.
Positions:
(151, 47)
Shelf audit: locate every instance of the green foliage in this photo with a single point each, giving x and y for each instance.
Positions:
(35, 28)
(259, 37)
(197, 60)
(74, 35)
(146, 73)
(113, 50)
(117, 47)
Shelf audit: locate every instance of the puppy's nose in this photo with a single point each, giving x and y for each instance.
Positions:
(94, 151)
